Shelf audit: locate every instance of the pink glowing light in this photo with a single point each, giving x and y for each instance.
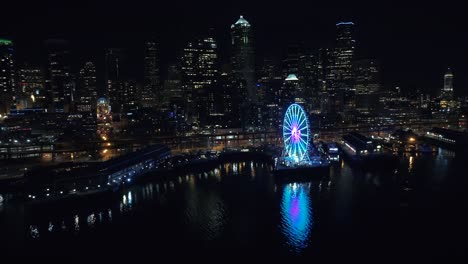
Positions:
(295, 134)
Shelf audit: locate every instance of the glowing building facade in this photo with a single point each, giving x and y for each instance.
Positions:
(243, 57)
(447, 102)
(7, 75)
(31, 87)
(199, 73)
(87, 89)
(59, 83)
(151, 95)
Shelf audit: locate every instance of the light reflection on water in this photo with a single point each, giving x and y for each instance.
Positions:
(204, 210)
(77, 223)
(233, 203)
(205, 213)
(296, 215)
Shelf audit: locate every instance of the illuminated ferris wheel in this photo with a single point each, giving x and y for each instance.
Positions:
(296, 133)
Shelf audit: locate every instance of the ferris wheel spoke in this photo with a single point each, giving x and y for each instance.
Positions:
(293, 113)
(298, 112)
(301, 148)
(304, 131)
(288, 122)
(304, 147)
(302, 122)
(303, 141)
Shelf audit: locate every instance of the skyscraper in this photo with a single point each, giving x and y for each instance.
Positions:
(31, 86)
(340, 79)
(172, 86)
(173, 93)
(59, 81)
(447, 91)
(151, 94)
(113, 77)
(188, 64)
(199, 70)
(7, 75)
(291, 62)
(129, 95)
(231, 99)
(271, 82)
(309, 75)
(243, 60)
(447, 102)
(345, 45)
(291, 92)
(367, 85)
(87, 89)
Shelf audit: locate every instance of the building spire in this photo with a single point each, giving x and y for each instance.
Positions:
(242, 22)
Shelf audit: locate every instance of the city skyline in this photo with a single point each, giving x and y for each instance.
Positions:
(399, 38)
(294, 130)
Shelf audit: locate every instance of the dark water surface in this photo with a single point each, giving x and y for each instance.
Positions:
(418, 211)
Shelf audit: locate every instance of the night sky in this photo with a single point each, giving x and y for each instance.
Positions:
(414, 42)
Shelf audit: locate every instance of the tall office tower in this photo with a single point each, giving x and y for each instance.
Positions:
(7, 75)
(209, 68)
(173, 95)
(287, 92)
(447, 91)
(323, 81)
(230, 99)
(265, 75)
(59, 80)
(447, 102)
(345, 45)
(291, 62)
(309, 74)
(243, 57)
(103, 118)
(129, 95)
(271, 82)
(343, 67)
(208, 60)
(327, 57)
(31, 87)
(188, 64)
(114, 62)
(151, 95)
(367, 85)
(199, 71)
(87, 89)
(174, 99)
(291, 92)
(173, 92)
